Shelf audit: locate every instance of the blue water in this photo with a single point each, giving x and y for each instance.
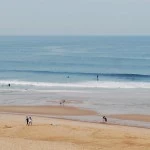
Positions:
(67, 61)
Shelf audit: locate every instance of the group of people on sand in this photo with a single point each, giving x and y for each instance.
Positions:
(28, 120)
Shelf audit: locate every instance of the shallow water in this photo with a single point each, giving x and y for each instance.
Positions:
(104, 101)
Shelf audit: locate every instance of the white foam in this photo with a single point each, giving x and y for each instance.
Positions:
(89, 84)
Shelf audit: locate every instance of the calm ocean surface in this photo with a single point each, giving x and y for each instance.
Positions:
(74, 62)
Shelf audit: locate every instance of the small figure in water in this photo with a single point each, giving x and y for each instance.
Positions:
(97, 78)
(9, 84)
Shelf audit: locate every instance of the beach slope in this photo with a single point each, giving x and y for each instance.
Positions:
(59, 134)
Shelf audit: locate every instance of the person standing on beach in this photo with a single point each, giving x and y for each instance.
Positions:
(104, 119)
(27, 120)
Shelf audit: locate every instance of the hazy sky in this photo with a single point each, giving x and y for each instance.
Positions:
(74, 17)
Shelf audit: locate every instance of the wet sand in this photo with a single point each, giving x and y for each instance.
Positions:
(48, 110)
(135, 117)
(56, 134)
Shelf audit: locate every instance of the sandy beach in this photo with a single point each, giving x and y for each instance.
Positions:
(47, 110)
(135, 117)
(54, 126)
(59, 134)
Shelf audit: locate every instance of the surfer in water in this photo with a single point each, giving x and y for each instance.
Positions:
(97, 77)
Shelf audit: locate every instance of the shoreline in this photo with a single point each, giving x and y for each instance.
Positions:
(134, 117)
(103, 101)
(75, 120)
(78, 114)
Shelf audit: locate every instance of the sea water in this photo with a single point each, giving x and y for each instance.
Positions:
(75, 61)
(101, 71)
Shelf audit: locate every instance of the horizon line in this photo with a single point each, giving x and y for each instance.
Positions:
(75, 35)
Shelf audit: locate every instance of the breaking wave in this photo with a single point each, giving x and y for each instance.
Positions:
(89, 84)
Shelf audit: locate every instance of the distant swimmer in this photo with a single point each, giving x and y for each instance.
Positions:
(9, 85)
(97, 78)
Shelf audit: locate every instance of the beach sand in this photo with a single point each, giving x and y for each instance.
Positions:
(135, 117)
(48, 110)
(59, 134)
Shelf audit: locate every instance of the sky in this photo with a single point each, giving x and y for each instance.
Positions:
(74, 17)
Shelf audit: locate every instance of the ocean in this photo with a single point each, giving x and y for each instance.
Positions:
(74, 62)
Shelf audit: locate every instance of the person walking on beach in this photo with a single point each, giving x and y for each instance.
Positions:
(30, 121)
(62, 102)
(104, 119)
(27, 120)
